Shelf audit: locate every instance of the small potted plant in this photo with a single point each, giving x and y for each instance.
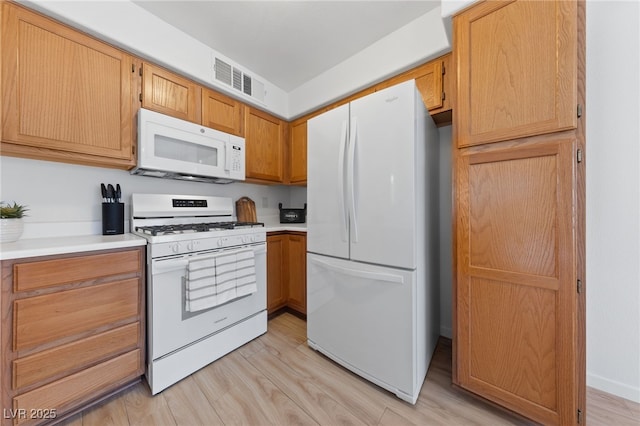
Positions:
(11, 225)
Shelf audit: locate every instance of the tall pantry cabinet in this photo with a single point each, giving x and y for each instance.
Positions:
(519, 177)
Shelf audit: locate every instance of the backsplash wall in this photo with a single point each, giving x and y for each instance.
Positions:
(65, 199)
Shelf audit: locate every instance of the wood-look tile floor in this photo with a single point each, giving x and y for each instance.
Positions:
(277, 380)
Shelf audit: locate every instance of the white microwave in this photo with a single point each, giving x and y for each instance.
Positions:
(177, 149)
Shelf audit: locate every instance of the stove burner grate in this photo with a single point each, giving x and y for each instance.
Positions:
(195, 227)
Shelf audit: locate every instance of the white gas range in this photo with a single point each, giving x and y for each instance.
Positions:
(206, 282)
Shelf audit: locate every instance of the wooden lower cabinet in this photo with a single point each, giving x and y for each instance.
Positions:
(276, 285)
(287, 271)
(71, 336)
(518, 303)
(297, 272)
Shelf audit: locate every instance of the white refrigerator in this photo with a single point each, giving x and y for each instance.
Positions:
(372, 291)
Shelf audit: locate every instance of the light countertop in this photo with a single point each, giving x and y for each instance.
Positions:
(279, 227)
(61, 245)
(272, 224)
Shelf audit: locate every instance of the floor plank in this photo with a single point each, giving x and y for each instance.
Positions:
(111, 412)
(188, 403)
(255, 400)
(320, 406)
(143, 409)
(278, 380)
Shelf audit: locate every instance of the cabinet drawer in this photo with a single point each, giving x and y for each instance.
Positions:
(81, 386)
(49, 273)
(47, 318)
(74, 356)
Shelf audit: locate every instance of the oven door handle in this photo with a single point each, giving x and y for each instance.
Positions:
(168, 265)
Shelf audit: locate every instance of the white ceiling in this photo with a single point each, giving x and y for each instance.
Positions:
(288, 42)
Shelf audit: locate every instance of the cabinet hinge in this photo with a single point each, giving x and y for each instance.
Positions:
(579, 287)
(140, 72)
(133, 67)
(443, 69)
(579, 110)
(140, 97)
(579, 416)
(443, 96)
(579, 155)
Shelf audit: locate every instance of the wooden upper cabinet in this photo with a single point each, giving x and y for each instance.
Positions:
(516, 63)
(298, 153)
(171, 94)
(222, 112)
(265, 146)
(65, 96)
(430, 85)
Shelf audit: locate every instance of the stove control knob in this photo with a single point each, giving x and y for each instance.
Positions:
(220, 242)
(252, 238)
(190, 245)
(175, 248)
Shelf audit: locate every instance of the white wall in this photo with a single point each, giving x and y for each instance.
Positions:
(613, 197)
(64, 199)
(128, 26)
(422, 39)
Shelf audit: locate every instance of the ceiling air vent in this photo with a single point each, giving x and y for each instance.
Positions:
(222, 71)
(246, 86)
(238, 80)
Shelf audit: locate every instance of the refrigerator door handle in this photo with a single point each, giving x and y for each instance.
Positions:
(353, 138)
(344, 216)
(375, 276)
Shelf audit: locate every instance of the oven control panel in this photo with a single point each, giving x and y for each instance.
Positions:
(220, 241)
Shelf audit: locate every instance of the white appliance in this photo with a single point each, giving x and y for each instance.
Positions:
(372, 295)
(177, 149)
(206, 282)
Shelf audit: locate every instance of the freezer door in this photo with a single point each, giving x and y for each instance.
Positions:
(381, 177)
(327, 218)
(364, 317)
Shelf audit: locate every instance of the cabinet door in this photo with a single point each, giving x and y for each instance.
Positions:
(297, 271)
(430, 85)
(517, 308)
(298, 153)
(222, 112)
(65, 96)
(276, 278)
(508, 85)
(170, 94)
(265, 143)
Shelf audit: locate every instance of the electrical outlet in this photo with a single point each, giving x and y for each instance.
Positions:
(265, 202)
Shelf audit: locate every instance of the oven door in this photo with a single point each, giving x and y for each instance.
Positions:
(171, 327)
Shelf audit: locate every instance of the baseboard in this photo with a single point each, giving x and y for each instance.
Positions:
(615, 388)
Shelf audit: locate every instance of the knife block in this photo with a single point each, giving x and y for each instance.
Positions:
(112, 218)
